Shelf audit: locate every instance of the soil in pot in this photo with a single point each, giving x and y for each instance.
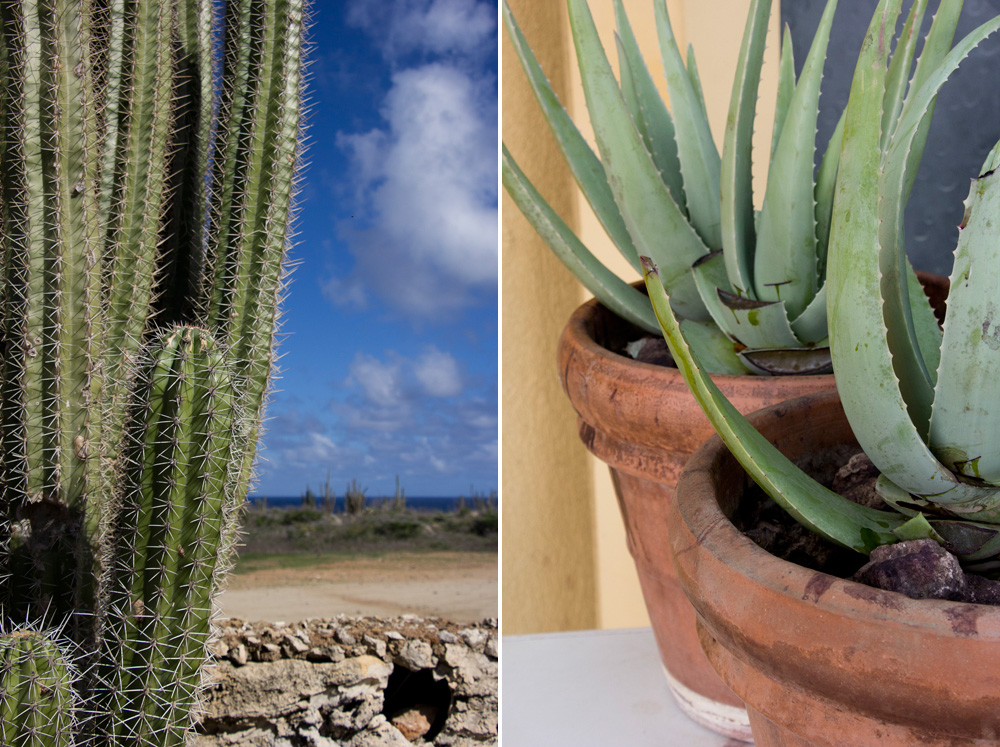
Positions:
(920, 569)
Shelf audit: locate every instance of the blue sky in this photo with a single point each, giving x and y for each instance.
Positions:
(389, 337)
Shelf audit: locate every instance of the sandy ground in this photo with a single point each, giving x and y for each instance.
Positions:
(457, 586)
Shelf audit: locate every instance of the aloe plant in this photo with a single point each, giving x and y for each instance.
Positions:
(922, 403)
(146, 175)
(748, 285)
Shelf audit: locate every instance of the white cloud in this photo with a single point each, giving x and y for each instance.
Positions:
(380, 382)
(438, 373)
(438, 26)
(345, 292)
(429, 191)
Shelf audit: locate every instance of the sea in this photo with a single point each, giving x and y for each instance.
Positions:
(418, 503)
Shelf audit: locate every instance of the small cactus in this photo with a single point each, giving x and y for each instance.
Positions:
(37, 699)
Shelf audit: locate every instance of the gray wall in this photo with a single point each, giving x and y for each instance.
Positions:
(966, 121)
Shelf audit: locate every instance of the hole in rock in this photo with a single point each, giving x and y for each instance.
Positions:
(416, 703)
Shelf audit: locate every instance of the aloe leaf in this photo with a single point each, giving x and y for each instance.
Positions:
(866, 381)
(786, 266)
(788, 361)
(655, 222)
(810, 326)
(965, 427)
(648, 110)
(916, 528)
(711, 348)
(709, 274)
(826, 183)
(760, 324)
(786, 86)
(736, 203)
(899, 69)
(617, 295)
(698, 155)
(970, 541)
(815, 507)
(912, 371)
(692, 69)
(583, 163)
(925, 323)
(936, 46)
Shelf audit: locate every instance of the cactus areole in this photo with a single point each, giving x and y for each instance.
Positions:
(147, 164)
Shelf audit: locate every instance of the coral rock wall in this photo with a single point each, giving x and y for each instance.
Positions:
(355, 682)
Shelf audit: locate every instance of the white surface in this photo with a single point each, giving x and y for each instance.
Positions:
(592, 688)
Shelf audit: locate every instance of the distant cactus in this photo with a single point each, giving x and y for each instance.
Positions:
(329, 497)
(355, 498)
(398, 501)
(147, 161)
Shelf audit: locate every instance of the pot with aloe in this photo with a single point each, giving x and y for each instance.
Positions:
(820, 659)
(747, 285)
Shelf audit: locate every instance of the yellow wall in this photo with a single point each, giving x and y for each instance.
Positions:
(564, 560)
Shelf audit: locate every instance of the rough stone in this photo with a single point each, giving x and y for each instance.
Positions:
(318, 694)
(416, 655)
(414, 722)
(920, 569)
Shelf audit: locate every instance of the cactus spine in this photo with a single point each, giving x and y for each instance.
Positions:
(145, 195)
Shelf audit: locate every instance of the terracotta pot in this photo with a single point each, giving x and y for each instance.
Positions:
(817, 659)
(643, 422)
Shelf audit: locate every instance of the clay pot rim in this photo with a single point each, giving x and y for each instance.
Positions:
(576, 335)
(821, 592)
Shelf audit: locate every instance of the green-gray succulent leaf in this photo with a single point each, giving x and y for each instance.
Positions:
(788, 361)
(899, 69)
(736, 196)
(699, 157)
(811, 326)
(692, 70)
(656, 224)
(925, 323)
(786, 87)
(786, 266)
(712, 349)
(583, 162)
(915, 379)
(759, 324)
(709, 274)
(965, 425)
(815, 507)
(918, 527)
(970, 541)
(648, 109)
(826, 183)
(617, 295)
(867, 383)
(936, 46)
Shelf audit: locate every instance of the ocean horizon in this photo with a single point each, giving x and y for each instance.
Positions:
(418, 503)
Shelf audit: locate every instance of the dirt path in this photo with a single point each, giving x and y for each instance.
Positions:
(458, 586)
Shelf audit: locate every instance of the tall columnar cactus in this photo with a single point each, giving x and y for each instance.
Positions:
(174, 535)
(148, 150)
(37, 700)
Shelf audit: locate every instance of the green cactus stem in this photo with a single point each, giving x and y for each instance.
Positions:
(255, 174)
(37, 700)
(177, 525)
(50, 302)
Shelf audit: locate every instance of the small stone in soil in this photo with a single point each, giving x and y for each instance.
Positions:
(652, 350)
(856, 482)
(920, 569)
